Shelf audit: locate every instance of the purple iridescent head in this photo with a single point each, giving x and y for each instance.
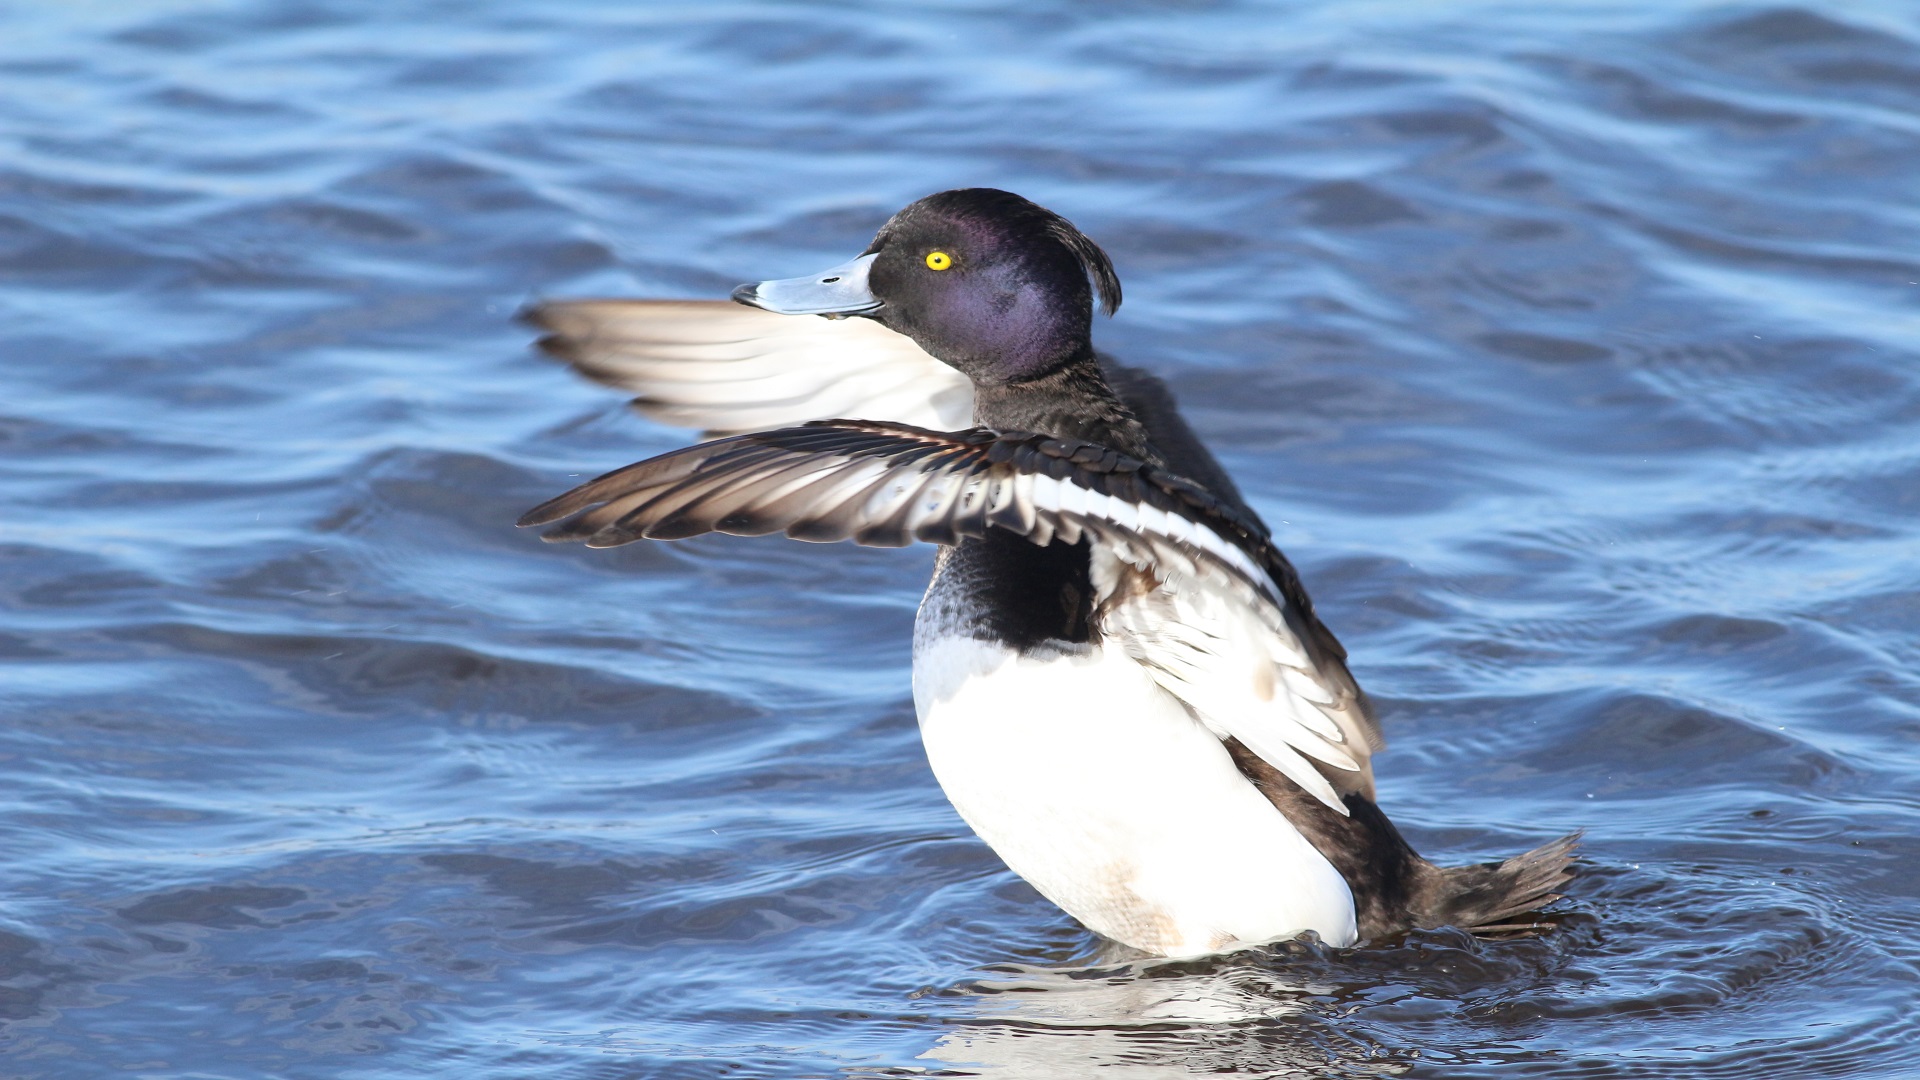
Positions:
(982, 279)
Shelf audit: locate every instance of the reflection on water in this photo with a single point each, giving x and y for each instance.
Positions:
(1570, 349)
(1291, 1009)
(1146, 1023)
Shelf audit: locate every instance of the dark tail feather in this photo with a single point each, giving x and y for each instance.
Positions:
(1486, 898)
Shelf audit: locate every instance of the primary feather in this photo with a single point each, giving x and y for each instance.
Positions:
(722, 368)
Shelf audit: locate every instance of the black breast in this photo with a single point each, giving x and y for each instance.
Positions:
(1002, 587)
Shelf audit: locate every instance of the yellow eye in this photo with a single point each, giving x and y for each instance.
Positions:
(939, 260)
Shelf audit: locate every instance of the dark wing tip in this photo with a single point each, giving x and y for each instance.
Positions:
(545, 513)
(536, 312)
(571, 530)
(555, 340)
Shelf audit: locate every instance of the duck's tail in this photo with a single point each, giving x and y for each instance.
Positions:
(1493, 898)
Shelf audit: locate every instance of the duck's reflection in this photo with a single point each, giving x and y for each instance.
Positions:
(1147, 1019)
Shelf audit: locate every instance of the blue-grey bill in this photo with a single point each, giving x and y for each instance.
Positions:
(841, 290)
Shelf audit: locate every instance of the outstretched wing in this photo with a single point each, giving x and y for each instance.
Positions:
(719, 367)
(1186, 584)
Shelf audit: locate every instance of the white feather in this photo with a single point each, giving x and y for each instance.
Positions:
(722, 367)
(1204, 642)
(1103, 792)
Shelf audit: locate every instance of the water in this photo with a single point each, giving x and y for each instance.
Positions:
(1572, 350)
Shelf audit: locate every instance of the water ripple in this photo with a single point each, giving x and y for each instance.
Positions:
(1569, 349)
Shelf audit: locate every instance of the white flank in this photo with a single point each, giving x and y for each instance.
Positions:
(1101, 790)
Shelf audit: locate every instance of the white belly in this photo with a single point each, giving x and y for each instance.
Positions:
(1097, 787)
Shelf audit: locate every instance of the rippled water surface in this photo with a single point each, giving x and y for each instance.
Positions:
(1572, 349)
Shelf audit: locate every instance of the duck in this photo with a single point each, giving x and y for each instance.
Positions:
(1120, 681)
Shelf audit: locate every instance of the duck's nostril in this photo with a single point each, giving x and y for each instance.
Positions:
(828, 280)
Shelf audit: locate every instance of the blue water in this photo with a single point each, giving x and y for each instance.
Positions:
(1573, 350)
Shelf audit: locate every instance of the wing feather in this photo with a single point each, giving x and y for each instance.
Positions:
(721, 367)
(1186, 585)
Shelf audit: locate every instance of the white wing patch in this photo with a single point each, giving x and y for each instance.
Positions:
(1208, 641)
(724, 368)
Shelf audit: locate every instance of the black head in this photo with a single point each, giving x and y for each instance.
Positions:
(982, 279)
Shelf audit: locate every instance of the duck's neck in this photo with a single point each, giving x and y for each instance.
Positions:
(1073, 401)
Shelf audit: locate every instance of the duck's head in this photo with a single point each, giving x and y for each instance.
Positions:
(982, 279)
